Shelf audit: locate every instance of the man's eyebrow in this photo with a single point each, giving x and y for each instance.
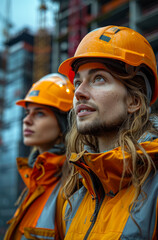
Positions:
(95, 70)
(91, 71)
(36, 109)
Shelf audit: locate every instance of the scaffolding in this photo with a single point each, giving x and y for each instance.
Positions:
(42, 46)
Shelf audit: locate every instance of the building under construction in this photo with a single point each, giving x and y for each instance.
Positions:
(30, 57)
(26, 59)
(77, 17)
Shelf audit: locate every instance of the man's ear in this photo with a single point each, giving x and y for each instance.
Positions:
(134, 104)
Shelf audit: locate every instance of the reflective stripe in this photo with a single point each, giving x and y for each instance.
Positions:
(39, 233)
(45, 227)
(47, 217)
(42, 237)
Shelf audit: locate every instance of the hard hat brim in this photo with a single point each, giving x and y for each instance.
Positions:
(66, 66)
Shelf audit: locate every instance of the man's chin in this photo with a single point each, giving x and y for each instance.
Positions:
(88, 129)
(96, 129)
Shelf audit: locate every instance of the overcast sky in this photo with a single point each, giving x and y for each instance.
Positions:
(23, 13)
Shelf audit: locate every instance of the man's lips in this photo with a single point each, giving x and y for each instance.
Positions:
(83, 110)
(27, 132)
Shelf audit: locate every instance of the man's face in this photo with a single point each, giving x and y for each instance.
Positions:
(100, 101)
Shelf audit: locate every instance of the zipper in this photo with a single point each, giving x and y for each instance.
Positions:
(99, 195)
(98, 201)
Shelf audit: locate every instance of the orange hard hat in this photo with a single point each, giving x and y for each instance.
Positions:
(119, 43)
(52, 90)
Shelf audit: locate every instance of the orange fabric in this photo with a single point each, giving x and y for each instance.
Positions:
(155, 235)
(114, 210)
(31, 216)
(63, 217)
(24, 171)
(109, 214)
(59, 223)
(30, 232)
(40, 182)
(110, 166)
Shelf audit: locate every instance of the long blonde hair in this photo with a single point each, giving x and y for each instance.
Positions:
(133, 128)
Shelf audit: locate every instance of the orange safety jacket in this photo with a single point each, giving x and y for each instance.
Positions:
(100, 210)
(35, 218)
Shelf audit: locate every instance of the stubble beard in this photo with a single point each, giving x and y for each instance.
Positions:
(97, 128)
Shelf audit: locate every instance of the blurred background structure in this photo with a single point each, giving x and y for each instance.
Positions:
(26, 57)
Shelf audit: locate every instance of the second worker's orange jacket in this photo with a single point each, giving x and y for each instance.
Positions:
(35, 218)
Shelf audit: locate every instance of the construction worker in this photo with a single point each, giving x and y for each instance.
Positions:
(44, 127)
(114, 137)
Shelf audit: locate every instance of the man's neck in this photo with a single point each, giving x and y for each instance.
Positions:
(107, 141)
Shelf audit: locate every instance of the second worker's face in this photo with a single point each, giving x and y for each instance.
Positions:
(100, 101)
(40, 127)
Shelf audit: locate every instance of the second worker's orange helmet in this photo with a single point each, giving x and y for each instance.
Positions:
(52, 90)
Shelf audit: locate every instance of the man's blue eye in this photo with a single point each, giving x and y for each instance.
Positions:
(77, 84)
(99, 79)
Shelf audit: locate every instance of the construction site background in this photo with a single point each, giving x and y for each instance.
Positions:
(28, 56)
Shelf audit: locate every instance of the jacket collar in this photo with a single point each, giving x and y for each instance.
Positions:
(46, 170)
(58, 149)
(108, 167)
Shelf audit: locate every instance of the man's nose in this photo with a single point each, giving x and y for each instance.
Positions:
(82, 92)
